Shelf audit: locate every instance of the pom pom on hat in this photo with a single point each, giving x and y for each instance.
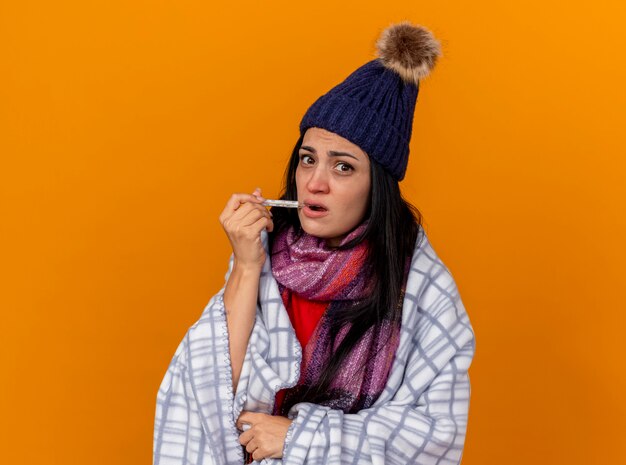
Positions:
(411, 51)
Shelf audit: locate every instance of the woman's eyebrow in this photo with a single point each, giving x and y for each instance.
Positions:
(331, 153)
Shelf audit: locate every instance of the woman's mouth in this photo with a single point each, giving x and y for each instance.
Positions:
(313, 210)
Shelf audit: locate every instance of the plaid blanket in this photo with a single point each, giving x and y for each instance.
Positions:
(420, 418)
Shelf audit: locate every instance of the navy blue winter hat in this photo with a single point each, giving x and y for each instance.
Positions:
(373, 107)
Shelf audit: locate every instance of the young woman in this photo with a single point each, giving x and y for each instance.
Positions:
(339, 335)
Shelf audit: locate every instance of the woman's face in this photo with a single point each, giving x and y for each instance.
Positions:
(333, 180)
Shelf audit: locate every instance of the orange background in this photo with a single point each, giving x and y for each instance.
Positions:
(125, 126)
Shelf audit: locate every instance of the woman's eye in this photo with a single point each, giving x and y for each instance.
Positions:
(344, 167)
(305, 159)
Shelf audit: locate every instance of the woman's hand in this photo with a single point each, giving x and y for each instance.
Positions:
(243, 219)
(266, 436)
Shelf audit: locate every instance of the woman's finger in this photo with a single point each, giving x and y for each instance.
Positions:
(261, 224)
(257, 193)
(254, 215)
(247, 214)
(252, 445)
(245, 437)
(236, 200)
(258, 455)
(234, 204)
(244, 220)
(247, 417)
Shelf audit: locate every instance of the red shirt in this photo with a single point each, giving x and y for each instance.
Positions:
(304, 315)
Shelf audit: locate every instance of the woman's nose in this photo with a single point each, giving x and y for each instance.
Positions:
(317, 181)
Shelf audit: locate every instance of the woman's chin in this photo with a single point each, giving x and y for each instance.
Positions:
(322, 233)
(314, 229)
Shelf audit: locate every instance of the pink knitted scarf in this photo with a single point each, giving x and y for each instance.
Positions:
(308, 267)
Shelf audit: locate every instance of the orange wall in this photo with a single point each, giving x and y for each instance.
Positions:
(125, 126)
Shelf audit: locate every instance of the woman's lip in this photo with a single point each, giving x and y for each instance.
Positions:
(313, 213)
(314, 203)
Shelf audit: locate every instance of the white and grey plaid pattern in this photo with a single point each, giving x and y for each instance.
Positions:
(420, 418)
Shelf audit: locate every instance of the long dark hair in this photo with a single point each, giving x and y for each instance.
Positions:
(392, 233)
